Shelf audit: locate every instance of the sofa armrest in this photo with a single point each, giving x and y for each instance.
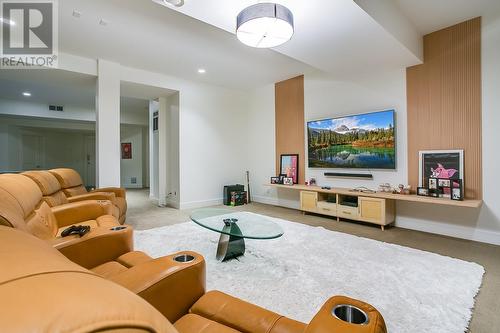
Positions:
(94, 196)
(97, 247)
(171, 287)
(81, 211)
(326, 322)
(118, 191)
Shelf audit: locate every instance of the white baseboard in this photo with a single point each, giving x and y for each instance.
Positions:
(200, 204)
(474, 234)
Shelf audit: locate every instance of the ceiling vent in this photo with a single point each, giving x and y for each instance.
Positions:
(57, 108)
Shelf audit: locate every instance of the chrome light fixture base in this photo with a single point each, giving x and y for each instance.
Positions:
(264, 25)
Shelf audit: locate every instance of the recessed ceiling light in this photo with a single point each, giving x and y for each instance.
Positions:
(27, 94)
(202, 71)
(9, 22)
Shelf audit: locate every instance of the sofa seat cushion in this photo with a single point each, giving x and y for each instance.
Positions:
(192, 323)
(109, 269)
(133, 258)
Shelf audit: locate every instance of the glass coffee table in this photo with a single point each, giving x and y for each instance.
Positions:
(234, 227)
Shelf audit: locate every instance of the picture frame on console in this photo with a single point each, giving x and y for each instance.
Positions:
(443, 164)
(289, 166)
(275, 180)
(288, 181)
(457, 190)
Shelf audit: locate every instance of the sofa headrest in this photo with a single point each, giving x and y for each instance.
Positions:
(67, 177)
(45, 180)
(25, 195)
(43, 291)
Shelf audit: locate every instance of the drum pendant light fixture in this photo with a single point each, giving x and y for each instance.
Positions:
(264, 25)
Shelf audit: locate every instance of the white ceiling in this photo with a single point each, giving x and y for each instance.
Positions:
(143, 34)
(335, 36)
(432, 15)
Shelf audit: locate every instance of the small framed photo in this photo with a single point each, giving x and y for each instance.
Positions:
(435, 193)
(457, 190)
(444, 182)
(288, 181)
(422, 191)
(275, 180)
(444, 186)
(281, 178)
(433, 184)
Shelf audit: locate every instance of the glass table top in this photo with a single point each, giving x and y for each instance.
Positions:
(235, 223)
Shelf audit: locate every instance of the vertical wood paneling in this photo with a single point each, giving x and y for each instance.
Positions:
(444, 101)
(290, 121)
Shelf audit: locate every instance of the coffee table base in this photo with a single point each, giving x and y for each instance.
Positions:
(230, 247)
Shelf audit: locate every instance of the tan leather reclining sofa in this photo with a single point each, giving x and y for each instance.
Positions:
(72, 186)
(43, 291)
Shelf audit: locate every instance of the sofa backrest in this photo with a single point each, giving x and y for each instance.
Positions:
(70, 180)
(49, 185)
(22, 207)
(43, 291)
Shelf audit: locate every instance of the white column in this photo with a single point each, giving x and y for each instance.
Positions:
(108, 124)
(163, 151)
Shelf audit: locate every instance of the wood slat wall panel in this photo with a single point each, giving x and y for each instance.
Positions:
(444, 101)
(290, 121)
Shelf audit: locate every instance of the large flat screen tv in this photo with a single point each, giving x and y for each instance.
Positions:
(365, 141)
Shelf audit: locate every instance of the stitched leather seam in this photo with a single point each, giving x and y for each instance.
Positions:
(45, 273)
(14, 197)
(274, 324)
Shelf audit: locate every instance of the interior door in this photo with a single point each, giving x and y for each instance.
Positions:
(32, 152)
(90, 161)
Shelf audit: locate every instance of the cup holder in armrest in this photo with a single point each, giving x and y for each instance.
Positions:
(184, 258)
(350, 314)
(118, 228)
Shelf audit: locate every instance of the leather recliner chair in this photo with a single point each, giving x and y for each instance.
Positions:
(22, 207)
(72, 185)
(70, 298)
(54, 195)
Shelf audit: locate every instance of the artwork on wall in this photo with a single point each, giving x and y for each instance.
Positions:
(440, 164)
(289, 166)
(365, 141)
(127, 151)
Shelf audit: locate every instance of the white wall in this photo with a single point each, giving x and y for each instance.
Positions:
(133, 168)
(328, 98)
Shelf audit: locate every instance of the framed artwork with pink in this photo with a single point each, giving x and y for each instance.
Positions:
(440, 164)
(289, 166)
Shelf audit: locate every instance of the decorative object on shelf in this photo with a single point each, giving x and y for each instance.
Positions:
(365, 141)
(288, 181)
(402, 189)
(444, 164)
(275, 180)
(127, 151)
(457, 190)
(312, 182)
(281, 178)
(444, 186)
(432, 184)
(289, 166)
(385, 188)
(423, 191)
(264, 25)
(435, 193)
(362, 189)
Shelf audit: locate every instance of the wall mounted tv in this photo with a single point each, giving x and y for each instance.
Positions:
(365, 141)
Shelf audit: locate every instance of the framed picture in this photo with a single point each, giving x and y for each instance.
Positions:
(422, 191)
(434, 193)
(289, 166)
(275, 180)
(126, 151)
(457, 190)
(288, 181)
(432, 184)
(281, 178)
(444, 164)
(444, 186)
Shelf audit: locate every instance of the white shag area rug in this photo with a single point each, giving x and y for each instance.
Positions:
(294, 275)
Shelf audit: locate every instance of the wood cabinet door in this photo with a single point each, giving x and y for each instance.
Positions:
(372, 210)
(308, 201)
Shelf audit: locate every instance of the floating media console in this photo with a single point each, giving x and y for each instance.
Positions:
(349, 175)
